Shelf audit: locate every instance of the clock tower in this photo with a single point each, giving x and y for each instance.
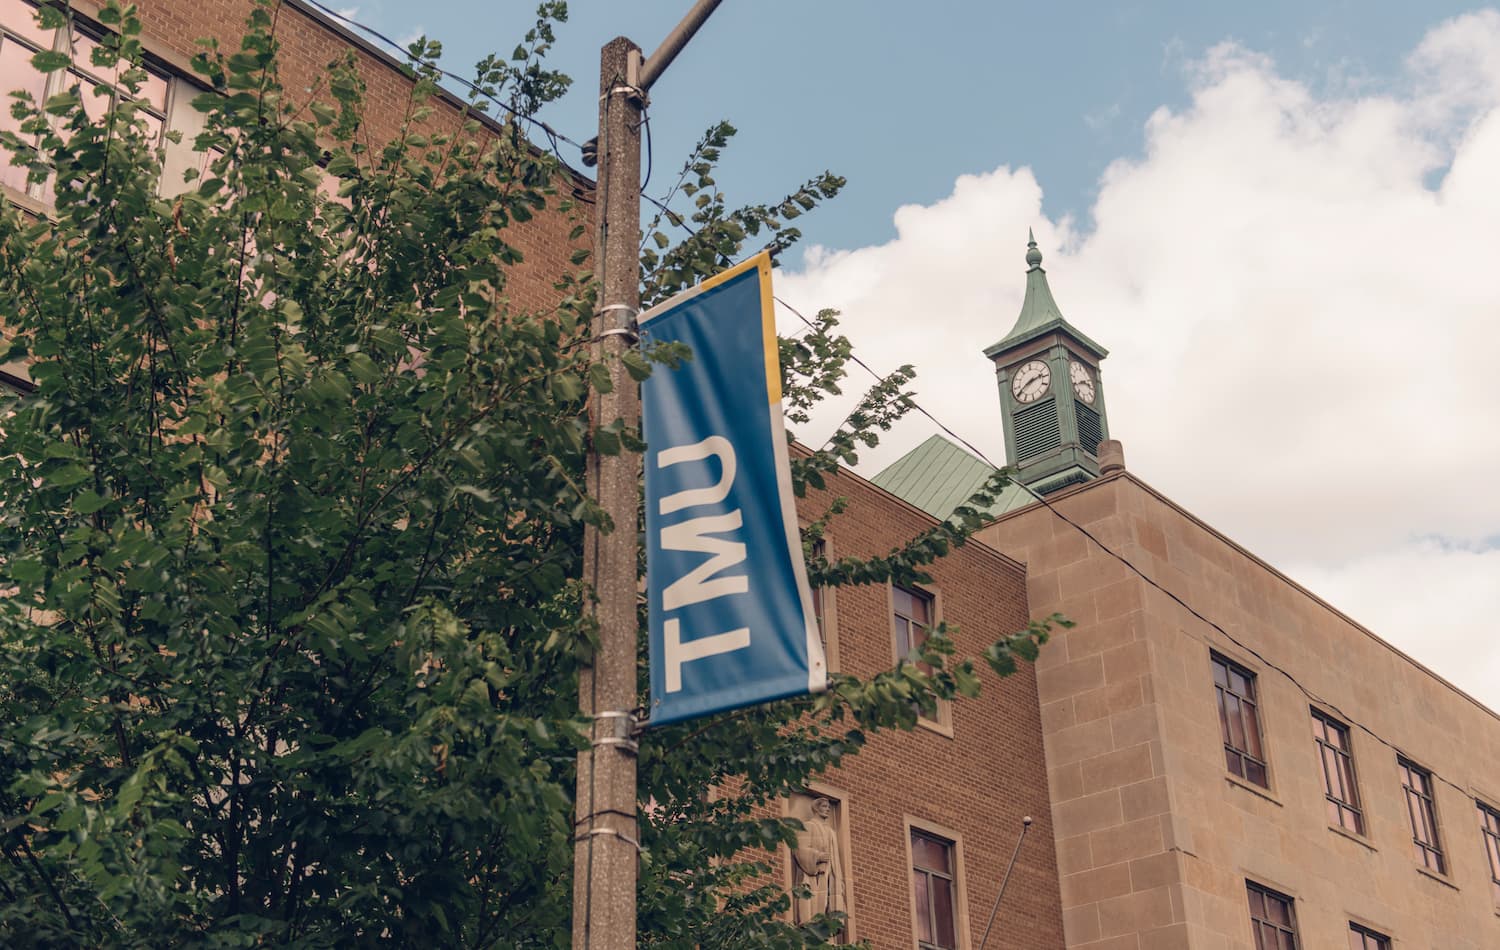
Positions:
(1051, 395)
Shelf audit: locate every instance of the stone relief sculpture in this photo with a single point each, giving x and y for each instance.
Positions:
(818, 861)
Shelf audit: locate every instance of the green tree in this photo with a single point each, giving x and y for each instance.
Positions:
(292, 527)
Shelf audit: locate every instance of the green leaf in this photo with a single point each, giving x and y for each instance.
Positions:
(87, 502)
(27, 570)
(65, 476)
(50, 61)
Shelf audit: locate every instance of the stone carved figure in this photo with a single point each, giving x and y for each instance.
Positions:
(818, 864)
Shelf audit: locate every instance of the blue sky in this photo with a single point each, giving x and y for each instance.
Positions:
(902, 98)
(1279, 217)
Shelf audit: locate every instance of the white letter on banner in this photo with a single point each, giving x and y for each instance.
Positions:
(714, 445)
(678, 653)
(696, 586)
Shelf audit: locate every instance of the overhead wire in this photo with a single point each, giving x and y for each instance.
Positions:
(552, 135)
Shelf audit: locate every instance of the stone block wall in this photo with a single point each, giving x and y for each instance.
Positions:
(1156, 840)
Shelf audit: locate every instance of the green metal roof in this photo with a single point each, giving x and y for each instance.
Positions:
(1039, 312)
(938, 476)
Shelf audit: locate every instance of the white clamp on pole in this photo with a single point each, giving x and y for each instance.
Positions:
(628, 327)
(624, 729)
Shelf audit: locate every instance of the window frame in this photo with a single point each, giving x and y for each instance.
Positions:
(917, 826)
(942, 724)
(1323, 724)
(1233, 754)
(1427, 852)
(1369, 939)
(176, 113)
(1489, 836)
(1254, 889)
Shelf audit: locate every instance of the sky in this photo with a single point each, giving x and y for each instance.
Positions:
(1280, 218)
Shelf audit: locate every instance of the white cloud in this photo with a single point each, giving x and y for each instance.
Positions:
(1300, 294)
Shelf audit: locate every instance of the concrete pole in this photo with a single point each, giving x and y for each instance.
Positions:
(606, 851)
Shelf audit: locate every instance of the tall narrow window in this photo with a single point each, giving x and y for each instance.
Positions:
(1337, 763)
(1239, 718)
(1421, 809)
(934, 891)
(912, 611)
(1363, 938)
(1489, 823)
(1272, 919)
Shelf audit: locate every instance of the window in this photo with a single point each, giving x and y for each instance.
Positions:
(1489, 823)
(21, 38)
(1363, 938)
(912, 610)
(1240, 721)
(1271, 919)
(1337, 761)
(1416, 783)
(934, 891)
(913, 614)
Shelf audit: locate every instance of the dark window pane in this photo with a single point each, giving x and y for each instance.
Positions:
(1255, 772)
(930, 853)
(942, 912)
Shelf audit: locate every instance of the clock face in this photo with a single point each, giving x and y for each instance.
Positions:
(1083, 381)
(1031, 381)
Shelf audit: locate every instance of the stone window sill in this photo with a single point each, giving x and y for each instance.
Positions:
(939, 726)
(1436, 877)
(1357, 839)
(1253, 789)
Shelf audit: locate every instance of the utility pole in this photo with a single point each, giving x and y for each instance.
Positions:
(606, 844)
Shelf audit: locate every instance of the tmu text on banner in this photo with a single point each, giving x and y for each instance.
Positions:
(731, 615)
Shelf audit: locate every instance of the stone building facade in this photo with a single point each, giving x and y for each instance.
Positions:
(1232, 762)
(961, 784)
(1168, 830)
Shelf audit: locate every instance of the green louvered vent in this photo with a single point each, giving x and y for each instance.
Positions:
(1036, 430)
(1088, 428)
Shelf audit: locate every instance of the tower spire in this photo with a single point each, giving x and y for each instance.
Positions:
(1051, 399)
(1033, 256)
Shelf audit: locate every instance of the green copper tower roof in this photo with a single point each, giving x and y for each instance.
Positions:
(1039, 312)
(938, 476)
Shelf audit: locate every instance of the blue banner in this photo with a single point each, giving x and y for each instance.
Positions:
(731, 615)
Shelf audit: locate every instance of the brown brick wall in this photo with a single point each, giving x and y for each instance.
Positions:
(980, 782)
(308, 45)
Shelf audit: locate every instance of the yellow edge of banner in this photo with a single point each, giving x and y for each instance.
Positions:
(761, 262)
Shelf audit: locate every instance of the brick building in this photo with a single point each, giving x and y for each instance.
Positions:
(937, 812)
(310, 42)
(1232, 762)
(941, 806)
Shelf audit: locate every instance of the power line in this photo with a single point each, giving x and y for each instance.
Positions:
(552, 135)
(1307, 693)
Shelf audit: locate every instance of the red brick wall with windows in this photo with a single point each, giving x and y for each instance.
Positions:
(977, 783)
(309, 43)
